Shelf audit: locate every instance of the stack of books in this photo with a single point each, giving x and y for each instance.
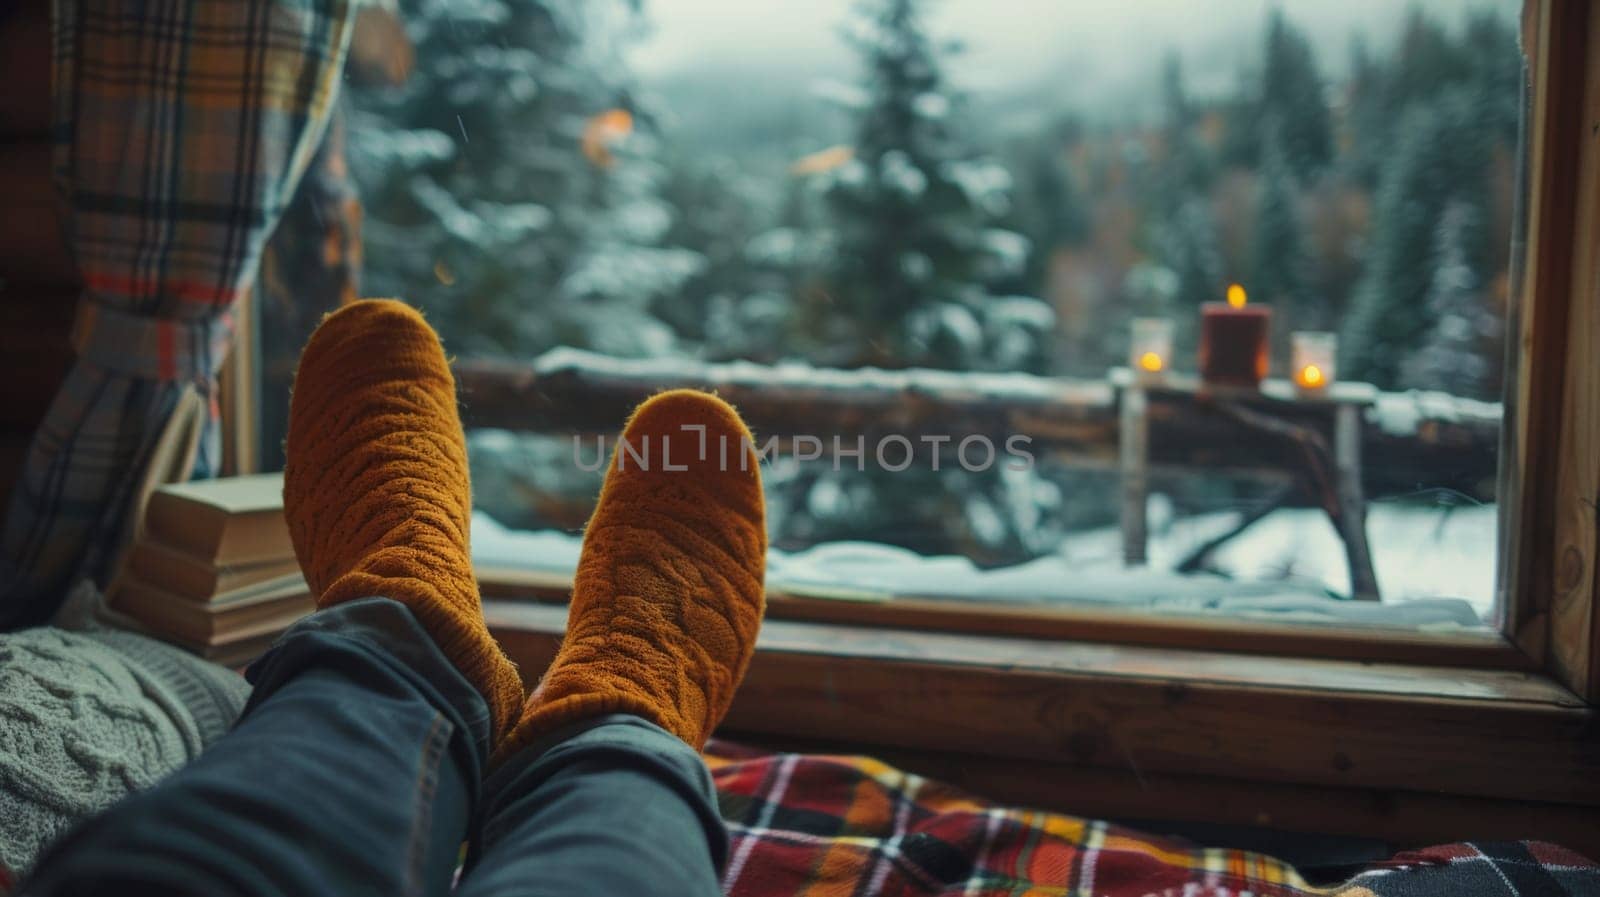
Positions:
(213, 569)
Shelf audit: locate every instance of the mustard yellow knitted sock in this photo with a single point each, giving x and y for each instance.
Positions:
(669, 590)
(376, 489)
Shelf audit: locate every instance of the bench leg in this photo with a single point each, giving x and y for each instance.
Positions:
(1133, 447)
(1352, 504)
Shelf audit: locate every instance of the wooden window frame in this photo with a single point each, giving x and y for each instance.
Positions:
(1551, 446)
(1411, 737)
(1406, 736)
(1550, 467)
(239, 393)
(1552, 454)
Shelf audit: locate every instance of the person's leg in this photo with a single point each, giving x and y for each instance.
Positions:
(610, 805)
(600, 788)
(353, 771)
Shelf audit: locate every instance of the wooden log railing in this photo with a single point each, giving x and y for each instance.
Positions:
(1410, 441)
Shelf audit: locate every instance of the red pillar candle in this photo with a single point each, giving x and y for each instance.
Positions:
(1233, 341)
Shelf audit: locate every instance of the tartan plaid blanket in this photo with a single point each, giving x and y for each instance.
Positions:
(827, 826)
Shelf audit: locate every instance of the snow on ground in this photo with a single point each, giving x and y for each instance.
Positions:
(1418, 552)
(1436, 568)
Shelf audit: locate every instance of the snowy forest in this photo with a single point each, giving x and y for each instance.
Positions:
(529, 191)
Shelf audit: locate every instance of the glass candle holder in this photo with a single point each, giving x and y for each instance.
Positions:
(1313, 358)
(1150, 349)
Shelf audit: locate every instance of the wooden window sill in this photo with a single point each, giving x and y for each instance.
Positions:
(989, 707)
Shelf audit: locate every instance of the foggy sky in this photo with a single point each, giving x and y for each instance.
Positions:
(1105, 48)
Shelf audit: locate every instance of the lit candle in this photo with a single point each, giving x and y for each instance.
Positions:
(1150, 349)
(1233, 341)
(1312, 357)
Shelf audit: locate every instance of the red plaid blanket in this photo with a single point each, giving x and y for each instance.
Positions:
(824, 826)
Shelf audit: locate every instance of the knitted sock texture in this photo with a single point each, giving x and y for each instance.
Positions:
(669, 594)
(376, 488)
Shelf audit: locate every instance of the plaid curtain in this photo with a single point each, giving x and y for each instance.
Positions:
(181, 130)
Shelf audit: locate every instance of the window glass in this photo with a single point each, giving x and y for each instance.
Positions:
(1066, 191)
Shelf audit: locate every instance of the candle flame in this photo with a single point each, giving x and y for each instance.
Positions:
(1311, 375)
(1151, 362)
(1236, 296)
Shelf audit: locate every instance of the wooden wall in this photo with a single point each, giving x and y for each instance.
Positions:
(38, 284)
